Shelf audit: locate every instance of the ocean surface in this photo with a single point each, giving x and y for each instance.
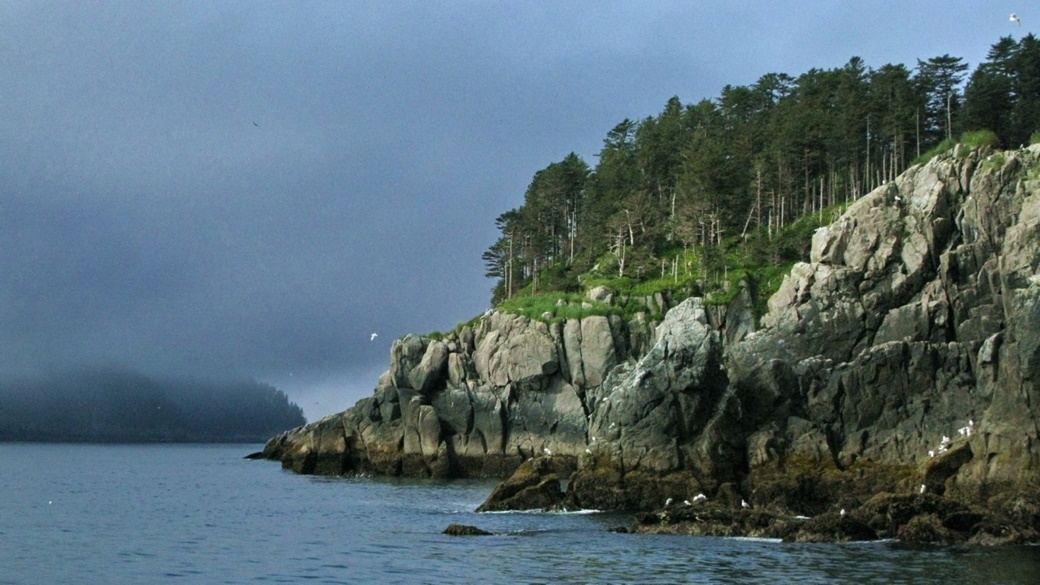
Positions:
(202, 514)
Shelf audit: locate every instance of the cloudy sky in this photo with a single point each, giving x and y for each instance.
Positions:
(252, 188)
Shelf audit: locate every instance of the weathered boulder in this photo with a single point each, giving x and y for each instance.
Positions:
(591, 350)
(534, 486)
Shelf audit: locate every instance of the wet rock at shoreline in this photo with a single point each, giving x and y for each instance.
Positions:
(534, 486)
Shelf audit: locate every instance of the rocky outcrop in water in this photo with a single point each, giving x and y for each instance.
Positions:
(905, 353)
(476, 403)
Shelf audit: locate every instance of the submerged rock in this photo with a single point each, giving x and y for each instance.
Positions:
(464, 530)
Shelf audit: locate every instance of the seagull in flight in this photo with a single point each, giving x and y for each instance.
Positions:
(374, 336)
(1015, 18)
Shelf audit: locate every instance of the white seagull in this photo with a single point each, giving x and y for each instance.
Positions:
(1016, 19)
(744, 504)
(922, 488)
(700, 497)
(374, 336)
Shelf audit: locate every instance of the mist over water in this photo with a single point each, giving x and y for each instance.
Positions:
(120, 405)
(202, 514)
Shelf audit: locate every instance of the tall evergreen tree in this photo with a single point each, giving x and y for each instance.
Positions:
(1025, 112)
(939, 80)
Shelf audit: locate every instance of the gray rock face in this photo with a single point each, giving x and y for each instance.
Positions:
(896, 333)
(917, 317)
(644, 412)
(474, 404)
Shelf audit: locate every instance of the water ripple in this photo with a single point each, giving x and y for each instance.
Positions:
(201, 514)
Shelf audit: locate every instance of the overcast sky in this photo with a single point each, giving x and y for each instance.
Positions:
(253, 188)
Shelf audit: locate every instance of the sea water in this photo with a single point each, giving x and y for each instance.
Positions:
(202, 514)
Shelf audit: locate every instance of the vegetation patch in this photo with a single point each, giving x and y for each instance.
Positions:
(704, 198)
(556, 307)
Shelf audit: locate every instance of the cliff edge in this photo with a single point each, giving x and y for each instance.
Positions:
(904, 356)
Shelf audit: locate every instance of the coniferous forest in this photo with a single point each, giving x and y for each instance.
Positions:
(699, 194)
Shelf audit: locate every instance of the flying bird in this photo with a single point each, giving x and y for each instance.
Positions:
(374, 336)
(1016, 19)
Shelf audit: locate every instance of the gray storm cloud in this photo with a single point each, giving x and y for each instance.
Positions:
(251, 189)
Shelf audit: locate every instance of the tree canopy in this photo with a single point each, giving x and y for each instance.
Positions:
(753, 159)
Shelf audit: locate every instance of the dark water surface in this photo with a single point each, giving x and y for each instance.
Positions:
(202, 514)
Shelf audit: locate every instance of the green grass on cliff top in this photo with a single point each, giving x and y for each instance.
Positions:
(714, 273)
(965, 144)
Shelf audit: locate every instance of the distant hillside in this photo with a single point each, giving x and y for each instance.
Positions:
(114, 405)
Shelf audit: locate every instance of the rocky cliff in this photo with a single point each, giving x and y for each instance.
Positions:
(477, 402)
(906, 352)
